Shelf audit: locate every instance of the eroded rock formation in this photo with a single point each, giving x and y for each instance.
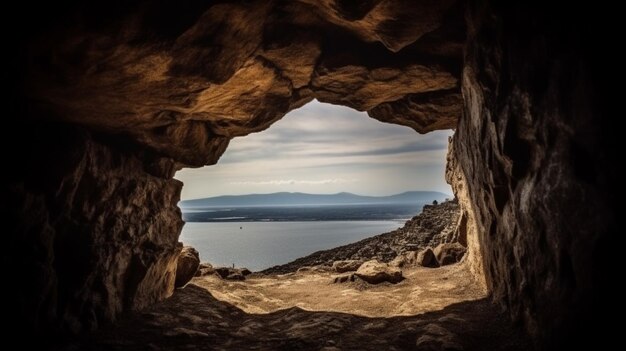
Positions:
(112, 98)
(535, 148)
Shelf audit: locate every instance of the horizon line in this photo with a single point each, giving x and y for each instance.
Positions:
(304, 193)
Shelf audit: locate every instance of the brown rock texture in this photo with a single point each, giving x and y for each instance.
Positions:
(449, 253)
(153, 87)
(426, 258)
(536, 148)
(104, 223)
(375, 272)
(346, 265)
(187, 266)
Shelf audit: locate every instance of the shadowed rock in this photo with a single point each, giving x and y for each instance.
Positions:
(427, 258)
(449, 253)
(187, 266)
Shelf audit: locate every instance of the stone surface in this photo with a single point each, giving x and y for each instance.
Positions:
(375, 272)
(537, 148)
(104, 222)
(449, 253)
(346, 265)
(183, 90)
(187, 266)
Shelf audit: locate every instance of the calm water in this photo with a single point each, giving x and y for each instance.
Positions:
(260, 245)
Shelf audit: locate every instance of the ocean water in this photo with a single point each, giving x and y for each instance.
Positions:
(261, 244)
(300, 213)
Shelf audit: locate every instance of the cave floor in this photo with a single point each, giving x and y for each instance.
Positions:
(306, 311)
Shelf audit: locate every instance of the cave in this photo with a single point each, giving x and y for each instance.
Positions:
(110, 99)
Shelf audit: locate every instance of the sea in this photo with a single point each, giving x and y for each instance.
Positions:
(264, 236)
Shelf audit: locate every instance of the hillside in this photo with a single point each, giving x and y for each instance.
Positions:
(435, 225)
(286, 198)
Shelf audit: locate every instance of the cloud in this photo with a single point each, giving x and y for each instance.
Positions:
(296, 182)
(325, 149)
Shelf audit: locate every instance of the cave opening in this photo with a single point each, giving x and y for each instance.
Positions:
(108, 101)
(304, 205)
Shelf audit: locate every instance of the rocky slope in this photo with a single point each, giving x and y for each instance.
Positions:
(435, 225)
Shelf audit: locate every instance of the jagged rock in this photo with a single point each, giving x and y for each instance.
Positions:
(375, 272)
(187, 265)
(427, 258)
(346, 265)
(449, 253)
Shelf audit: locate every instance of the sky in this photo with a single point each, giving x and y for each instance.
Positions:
(325, 149)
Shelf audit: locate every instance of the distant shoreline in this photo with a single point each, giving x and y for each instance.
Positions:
(383, 212)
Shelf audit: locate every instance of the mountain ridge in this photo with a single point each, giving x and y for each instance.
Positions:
(299, 198)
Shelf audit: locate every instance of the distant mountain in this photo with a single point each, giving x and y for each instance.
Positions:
(290, 199)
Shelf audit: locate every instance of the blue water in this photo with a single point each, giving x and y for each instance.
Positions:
(260, 245)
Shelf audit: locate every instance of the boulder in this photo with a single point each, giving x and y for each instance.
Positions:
(375, 272)
(449, 253)
(426, 258)
(187, 266)
(205, 269)
(230, 273)
(406, 259)
(346, 265)
(224, 271)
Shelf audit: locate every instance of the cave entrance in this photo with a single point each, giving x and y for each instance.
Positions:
(304, 203)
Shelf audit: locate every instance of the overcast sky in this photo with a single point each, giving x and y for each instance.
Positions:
(325, 149)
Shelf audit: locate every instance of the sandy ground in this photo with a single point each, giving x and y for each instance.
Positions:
(423, 290)
(433, 309)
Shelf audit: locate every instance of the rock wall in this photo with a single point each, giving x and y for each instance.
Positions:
(534, 147)
(93, 230)
(467, 226)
